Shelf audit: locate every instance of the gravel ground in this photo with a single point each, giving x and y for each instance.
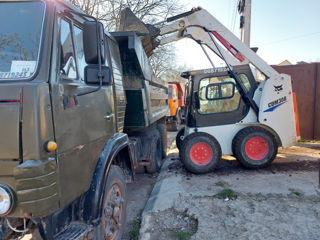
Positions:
(281, 201)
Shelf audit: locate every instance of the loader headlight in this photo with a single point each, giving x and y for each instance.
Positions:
(6, 200)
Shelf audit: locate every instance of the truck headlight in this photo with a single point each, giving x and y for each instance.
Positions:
(5, 200)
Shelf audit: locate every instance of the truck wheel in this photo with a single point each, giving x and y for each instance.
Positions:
(178, 138)
(200, 153)
(162, 128)
(140, 169)
(178, 118)
(254, 147)
(156, 155)
(114, 205)
(175, 124)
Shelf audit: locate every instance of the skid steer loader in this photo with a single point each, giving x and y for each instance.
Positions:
(245, 109)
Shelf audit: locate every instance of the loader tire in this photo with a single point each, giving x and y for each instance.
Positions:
(200, 153)
(254, 147)
(178, 138)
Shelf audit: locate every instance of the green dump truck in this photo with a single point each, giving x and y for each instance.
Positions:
(80, 112)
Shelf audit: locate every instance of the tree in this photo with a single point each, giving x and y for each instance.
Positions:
(108, 11)
(148, 11)
(174, 74)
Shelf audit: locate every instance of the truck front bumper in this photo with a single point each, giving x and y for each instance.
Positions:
(34, 187)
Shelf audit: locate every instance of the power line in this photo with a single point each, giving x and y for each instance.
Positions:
(235, 15)
(290, 38)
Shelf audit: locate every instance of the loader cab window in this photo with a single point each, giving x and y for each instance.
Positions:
(68, 67)
(228, 104)
(245, 81)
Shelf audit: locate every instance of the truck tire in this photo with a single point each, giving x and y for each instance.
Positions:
(114, 205)
(162, 128)
(177, 122)
(254, 147)
(140, 169)
(178, 138)
(155, 155)
(200, 153)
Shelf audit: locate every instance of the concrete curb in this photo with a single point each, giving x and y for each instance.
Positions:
(163, 196)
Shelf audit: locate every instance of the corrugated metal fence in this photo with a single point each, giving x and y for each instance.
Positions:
(306, 85)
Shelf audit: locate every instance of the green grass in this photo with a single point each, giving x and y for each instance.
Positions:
(295, 191)
(134, 232)
(227, 193)
(181, 235)
(151, 188)
(221, 183)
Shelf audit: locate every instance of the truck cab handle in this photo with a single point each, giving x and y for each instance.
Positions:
(109, 116)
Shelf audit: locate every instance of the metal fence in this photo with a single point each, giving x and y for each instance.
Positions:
(306, 84)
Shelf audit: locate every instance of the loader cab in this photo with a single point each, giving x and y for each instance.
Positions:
(213, 97)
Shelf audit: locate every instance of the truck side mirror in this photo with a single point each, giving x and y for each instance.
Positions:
(91, 73)
(93, 39)
(179, 95)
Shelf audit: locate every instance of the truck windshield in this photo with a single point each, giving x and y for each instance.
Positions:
(20, 31)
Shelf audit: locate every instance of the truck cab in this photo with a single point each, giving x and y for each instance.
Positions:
(176, 105)
(65, 153)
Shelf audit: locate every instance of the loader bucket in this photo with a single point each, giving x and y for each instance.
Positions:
(148, 33)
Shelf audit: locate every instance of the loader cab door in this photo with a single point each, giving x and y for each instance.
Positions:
(216, 99)
(83, 123)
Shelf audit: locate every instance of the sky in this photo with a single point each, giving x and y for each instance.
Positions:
(281, 29)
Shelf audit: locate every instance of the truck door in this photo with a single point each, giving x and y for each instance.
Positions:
(83, 124)
(229, 108)
(173, 99)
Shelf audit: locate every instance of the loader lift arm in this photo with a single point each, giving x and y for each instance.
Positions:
(203, 35)
(200, 26)
(196, 24)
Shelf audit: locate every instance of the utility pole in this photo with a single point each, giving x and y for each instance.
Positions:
(244, 9)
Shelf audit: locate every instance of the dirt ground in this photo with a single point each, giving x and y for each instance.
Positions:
(281, 201)
(138, 193)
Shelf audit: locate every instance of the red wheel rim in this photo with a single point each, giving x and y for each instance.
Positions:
(257, 148)
(201, 154)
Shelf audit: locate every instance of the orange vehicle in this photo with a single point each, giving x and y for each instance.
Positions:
(176, 105)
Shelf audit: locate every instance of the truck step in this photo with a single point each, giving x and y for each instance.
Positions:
(75, 231)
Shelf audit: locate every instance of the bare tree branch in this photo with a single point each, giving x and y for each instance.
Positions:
(149, 11)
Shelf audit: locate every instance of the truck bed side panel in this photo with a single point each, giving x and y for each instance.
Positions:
(120, 105)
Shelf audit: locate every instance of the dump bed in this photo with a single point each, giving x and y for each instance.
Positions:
(146, 95)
